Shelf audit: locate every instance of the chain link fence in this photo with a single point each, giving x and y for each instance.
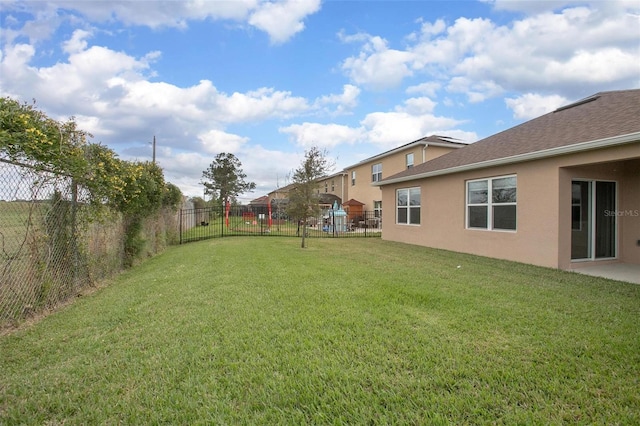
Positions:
(51, 249)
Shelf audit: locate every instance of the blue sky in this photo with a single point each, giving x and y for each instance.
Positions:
(268, 80)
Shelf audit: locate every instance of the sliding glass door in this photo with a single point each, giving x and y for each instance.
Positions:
(593, 219)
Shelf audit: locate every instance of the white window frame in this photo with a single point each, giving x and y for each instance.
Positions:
(377, 209)
(410, 159)
(376, 172)
(490, 204)
(353, 178)
(409, 207)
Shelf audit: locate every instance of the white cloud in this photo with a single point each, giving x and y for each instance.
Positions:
(596, 67)
(532, 105)
(159, 13)
(418, 106)
(566, 47)
(269, 169)
(77, 43)
(343, 102)
(476, 91)
(533, 6)
(259, 105)
(411, 120)
(391, 129)
(429, 88)
(322, 135)
(377, 66)
(15, 59)
(217, 141)
(435, 28)
(282, 20)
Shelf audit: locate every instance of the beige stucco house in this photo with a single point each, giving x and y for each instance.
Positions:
(372, 170)
(352, 187)
(335, 184)
(561, 190)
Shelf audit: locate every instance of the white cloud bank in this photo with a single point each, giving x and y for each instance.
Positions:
(564, 48)
(281, 20)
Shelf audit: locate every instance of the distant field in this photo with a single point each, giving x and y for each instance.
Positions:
(15, 220)
(347, 331)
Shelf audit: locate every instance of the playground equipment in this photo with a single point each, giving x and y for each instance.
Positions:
(337, 219)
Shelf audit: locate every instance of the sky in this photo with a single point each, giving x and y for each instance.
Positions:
(267, 80)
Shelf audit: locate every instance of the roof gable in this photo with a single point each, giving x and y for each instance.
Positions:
(601, 116)
(434, 140)
(353, 202)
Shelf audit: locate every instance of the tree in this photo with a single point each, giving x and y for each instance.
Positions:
(224, 179)
(304, 197)
(172, 197)
(198, 203)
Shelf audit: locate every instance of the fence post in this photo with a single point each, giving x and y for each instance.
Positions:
(180, 225)
(74, 230)
(366, 222)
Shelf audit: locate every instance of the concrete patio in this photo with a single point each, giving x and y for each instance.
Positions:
(617, 271)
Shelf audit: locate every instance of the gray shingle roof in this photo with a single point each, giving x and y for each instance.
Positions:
(603, 115)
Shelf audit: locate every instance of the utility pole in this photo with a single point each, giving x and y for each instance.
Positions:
(154, 149)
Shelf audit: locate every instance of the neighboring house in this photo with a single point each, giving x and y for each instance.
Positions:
(279, 198)
(562, 190)
(374, 169)
(352, 187)
(335, 184)
(260, 202)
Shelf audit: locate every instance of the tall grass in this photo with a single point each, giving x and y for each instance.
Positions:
(259, 331)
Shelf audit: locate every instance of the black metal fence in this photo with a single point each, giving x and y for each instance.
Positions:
(211, 222)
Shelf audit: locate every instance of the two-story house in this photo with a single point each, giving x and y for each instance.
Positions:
(354, 188)
(362, 193)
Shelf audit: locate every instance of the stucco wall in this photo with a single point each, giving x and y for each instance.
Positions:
(393, 163)
(434, 151)
(443, 217)
(630, 208)
(543, 235)
(335, 185)
(363, 191)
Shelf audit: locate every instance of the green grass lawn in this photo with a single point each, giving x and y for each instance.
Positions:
(347, 331)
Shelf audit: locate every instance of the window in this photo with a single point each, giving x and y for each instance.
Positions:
(409, 160)
(376, 172)
(377, 208)
(326, 187)
(333, 186)
(408, 206)
(491, 203)
(353, 177)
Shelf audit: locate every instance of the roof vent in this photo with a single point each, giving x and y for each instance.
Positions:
(580, 102)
